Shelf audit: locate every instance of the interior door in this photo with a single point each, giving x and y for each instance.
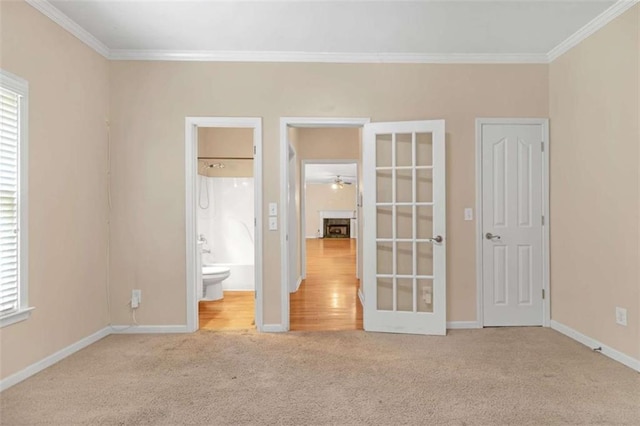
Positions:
(404, 227)
(512, 224)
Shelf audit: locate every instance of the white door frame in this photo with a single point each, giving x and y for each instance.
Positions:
(303, 210)
(544, 122)
(191, 173)
(285, 123)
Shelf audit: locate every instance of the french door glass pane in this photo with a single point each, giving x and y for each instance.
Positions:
(385, 294)
(383, 150)
(404, 150)
(425, 295)
(404, 294)
(424, 149)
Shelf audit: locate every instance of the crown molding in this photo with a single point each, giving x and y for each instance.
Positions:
(325, 57)
(617, 9)
(70, 25)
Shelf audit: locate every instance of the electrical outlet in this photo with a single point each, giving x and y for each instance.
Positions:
(621, 316)
(468, 213)
(136, 298)
(273, 224)
(426, 295)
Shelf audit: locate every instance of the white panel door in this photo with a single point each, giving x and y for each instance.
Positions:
(404, 227)
(512, 212)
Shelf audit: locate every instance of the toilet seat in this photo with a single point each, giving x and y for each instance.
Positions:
(214, 270)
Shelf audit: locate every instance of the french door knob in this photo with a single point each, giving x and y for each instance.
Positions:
(436, 239)
(490, 236)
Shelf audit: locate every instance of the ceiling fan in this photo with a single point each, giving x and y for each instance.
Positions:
(339, 183)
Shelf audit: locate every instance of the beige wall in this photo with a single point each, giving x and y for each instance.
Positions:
(595, 185)
(68, 106)
(148, 128)
(323, 197)
(222, 143)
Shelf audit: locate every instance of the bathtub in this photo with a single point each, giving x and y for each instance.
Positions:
(242, 277)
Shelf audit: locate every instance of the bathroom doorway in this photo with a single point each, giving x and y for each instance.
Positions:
(223, 218)
(326, 294)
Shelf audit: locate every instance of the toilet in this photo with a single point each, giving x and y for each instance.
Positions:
(212, 277)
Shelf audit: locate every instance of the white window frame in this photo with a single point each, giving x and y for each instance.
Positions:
(20, 86)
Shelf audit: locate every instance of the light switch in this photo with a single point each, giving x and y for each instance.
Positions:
(273, 209)
(468, 213)
(273, 224)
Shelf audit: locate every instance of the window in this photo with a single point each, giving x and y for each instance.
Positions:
(14, 305)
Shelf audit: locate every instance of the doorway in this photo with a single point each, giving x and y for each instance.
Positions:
(512, 222)
(297, 252)
(223, 177)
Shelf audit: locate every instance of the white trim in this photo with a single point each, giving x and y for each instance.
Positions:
(191, 153)
(544, 122)
(617, 9)
(53, 13)
(149, 329)
(273, 328)
(593, 343)
(302, 122)
(17, 316)
(38, 366)
(460, 325)
(326, 57)
(298, 284)
(361, 296)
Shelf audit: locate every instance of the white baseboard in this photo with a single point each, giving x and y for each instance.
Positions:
(592, 343)
(52, 359)
(148, 329)
(459, 325)
(273, 328)
(298, 283)
(361, 297)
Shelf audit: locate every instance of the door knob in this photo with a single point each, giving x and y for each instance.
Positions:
(436, 239)
(490, 236)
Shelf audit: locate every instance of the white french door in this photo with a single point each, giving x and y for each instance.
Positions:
(512, 224)
(404, 242)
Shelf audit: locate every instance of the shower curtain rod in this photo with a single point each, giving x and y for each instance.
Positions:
(225, 158)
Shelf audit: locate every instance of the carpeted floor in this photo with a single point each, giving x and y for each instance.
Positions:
(509, 376)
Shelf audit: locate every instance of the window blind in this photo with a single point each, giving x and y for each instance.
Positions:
(9, 144)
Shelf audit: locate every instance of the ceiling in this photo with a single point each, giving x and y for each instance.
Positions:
(327, 173)
(330, 31)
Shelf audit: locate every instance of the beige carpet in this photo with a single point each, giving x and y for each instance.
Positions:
(511, 376)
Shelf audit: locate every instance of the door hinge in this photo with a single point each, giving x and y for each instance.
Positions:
(543, 294)
(542, 146)
(254, 150)
(286, 237)
(542, 220)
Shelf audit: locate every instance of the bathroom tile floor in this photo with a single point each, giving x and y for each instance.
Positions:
(328, 298)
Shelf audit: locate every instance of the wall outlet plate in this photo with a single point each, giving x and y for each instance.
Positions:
(136, 298)
(621, 316)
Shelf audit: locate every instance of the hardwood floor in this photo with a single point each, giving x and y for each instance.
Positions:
(234, 312)
(328, 298)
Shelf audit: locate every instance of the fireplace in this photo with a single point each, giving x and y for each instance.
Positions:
(337, 228)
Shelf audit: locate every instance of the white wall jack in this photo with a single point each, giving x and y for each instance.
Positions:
(621, 316)
(136, 298)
